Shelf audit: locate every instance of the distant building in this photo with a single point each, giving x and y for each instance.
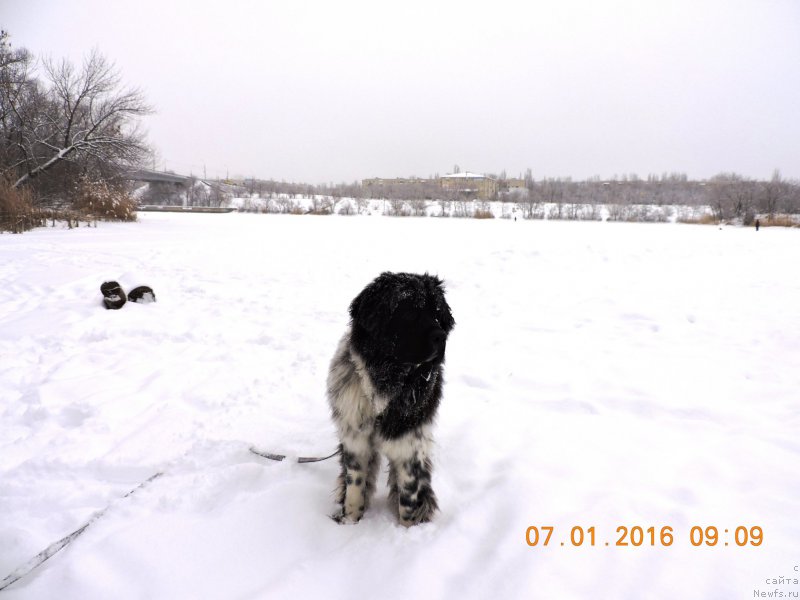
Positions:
(380, 182)
(472, 185)
(512, 189)
(514, 184)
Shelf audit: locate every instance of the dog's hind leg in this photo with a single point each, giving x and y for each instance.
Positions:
(359, 460)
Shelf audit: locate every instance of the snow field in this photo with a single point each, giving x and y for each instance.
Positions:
(599, 374)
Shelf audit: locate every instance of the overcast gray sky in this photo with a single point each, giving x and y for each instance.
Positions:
(326, 90)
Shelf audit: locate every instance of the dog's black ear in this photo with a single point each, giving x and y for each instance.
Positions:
(443, 313)
(355, 308)
(374, 305)
(446, 320)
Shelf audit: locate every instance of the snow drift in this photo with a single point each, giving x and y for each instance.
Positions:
(601, 375)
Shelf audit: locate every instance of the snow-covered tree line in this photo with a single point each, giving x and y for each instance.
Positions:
(730, 196)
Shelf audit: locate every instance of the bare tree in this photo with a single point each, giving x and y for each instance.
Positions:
(790, 203)
(20, 99)
(89, 119)
(362, 204)
(732, 195)
(773, 193)
(216, 196)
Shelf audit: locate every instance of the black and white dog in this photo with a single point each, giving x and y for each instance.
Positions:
(384, 386)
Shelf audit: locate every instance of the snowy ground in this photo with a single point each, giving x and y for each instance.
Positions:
(599, 375)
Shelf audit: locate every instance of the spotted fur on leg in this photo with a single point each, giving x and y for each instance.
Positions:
(410, 492)
(410, 470)
(356, 482)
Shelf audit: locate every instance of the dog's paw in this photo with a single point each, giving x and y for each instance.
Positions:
(411, 520)
(417, 510)
(343, 519)
(347, 518)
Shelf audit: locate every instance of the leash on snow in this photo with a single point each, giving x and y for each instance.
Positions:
(300, 459)
(55, 547)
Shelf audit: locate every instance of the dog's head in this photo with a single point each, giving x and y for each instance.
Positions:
(402, 317)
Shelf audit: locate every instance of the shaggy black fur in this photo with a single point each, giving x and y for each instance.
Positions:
(384, 387)
(400, 324)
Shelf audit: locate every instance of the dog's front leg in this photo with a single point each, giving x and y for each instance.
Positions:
(410, 469)
(359, 460)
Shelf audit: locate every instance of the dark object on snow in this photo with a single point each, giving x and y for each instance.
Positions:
(300, 459)
(113, 295)
(142, 294)
(57, 546)
(758, 224)
(384, 386)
